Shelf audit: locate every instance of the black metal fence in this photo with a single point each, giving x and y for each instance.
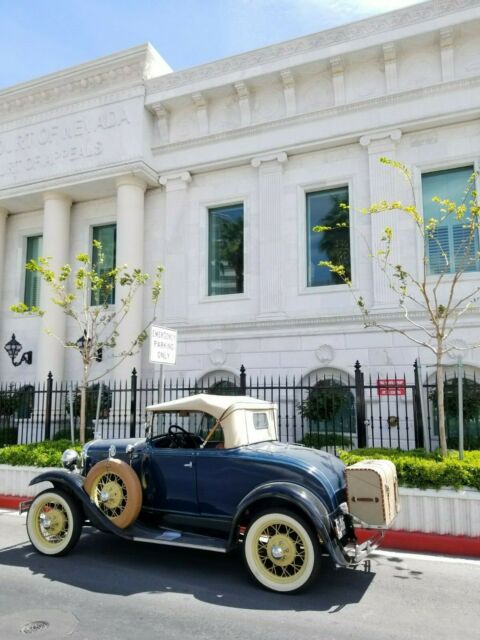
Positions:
(327, 411)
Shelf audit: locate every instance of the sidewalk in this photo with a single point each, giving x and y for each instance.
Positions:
(416, 541)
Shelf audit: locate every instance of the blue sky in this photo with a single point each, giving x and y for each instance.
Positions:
(42, 36)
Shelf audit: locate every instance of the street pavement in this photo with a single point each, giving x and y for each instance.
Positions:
(112, 589)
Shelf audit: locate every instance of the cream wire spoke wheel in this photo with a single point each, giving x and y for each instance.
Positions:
(54, 522)
(281, 552)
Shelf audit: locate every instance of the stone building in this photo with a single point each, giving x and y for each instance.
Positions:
(219, 173)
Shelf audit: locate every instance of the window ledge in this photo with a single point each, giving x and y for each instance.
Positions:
(328, 288)
(227, 297)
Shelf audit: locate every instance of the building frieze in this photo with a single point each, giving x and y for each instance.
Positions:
(413, 15)
(329, 112)
(126, 69)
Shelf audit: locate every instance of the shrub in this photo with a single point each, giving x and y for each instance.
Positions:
(317, 440)
(39, 454)
(425, 470)
(324, 400)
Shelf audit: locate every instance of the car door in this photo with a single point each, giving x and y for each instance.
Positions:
(169, 479)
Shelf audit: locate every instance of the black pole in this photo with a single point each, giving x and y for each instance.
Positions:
(243, 381)
(48, 406)
(133, 403)
(417, 412)
(360, 406)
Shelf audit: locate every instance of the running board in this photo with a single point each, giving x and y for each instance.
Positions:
(173, 538)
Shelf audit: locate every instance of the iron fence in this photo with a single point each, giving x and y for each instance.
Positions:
(326, 411)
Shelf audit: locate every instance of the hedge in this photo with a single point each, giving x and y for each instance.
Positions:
(423, 470)
(40, 454)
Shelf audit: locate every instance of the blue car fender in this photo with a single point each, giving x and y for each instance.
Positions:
(72, 483)
(294, 494)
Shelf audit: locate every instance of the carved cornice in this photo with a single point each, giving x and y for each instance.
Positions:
(290, 326)
(329, 112)
(128, 68)
(391, 21)
(62, 183)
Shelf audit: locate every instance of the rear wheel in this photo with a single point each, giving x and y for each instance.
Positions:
(115, 488)
(54, 522)
(281, 552)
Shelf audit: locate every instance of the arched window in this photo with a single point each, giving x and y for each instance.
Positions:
(328, 408)
(471, 406)
(221, 383)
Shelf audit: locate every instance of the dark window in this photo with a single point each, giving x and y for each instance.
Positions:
(225, 250)
(31, 295)
(107, 236)
(451, 246)
(325, 209)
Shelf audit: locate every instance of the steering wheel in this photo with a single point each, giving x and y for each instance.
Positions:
(184, 438)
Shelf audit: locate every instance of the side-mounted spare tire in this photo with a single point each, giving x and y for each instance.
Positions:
(115, 489)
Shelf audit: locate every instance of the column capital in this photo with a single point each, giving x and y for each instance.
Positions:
(132, 181)
(3, 212)
(178, 180)
(57, 195)
(280, 157)
(380, 139)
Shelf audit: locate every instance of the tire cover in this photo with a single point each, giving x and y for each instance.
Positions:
(133, 489)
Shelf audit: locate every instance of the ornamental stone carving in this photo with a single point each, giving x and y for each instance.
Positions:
(325, 354)
(218, 357)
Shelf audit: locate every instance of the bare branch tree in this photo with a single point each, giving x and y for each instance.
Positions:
(431, 303)
(85, 295)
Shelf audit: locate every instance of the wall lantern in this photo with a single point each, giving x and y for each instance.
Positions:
(83, 340)
(13, 348)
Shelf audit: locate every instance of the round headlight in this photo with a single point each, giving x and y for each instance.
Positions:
(69, 458)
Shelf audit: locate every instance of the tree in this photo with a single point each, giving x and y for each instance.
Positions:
(99, 323)
(431, 303)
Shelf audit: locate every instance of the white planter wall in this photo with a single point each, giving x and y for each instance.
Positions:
(14, 481)
(445, 512)
(442, 512)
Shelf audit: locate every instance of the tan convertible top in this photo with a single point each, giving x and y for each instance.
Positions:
(214, 405)
(236, 414)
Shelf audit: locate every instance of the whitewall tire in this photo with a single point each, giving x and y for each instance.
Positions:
(281, 552)
(54, 522)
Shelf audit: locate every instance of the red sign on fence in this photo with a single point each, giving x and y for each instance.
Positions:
(391, 387)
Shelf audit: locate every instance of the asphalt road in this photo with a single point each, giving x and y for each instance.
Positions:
(111, 589)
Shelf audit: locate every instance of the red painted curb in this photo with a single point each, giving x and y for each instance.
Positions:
(12, 502)
(421, 542)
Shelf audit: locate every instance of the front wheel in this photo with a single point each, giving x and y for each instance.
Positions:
(281, 552)
(54, 523)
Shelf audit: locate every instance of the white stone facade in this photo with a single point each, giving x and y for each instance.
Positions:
(124, 139)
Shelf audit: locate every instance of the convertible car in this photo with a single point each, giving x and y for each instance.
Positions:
(211, 474)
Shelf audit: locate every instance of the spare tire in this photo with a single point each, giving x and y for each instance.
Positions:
(115, 488)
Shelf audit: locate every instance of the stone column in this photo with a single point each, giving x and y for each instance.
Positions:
(384, 185)
(130, 240)
(3, 230)
(176, 256)
(270, 199)
(56, 245)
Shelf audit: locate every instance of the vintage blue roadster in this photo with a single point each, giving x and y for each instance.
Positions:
(211, 474)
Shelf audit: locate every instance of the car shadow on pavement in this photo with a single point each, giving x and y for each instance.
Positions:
(105, 564)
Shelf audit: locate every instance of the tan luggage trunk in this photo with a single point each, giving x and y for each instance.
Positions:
(372, 491)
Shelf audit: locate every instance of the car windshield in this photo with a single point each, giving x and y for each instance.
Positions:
(197, 423)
